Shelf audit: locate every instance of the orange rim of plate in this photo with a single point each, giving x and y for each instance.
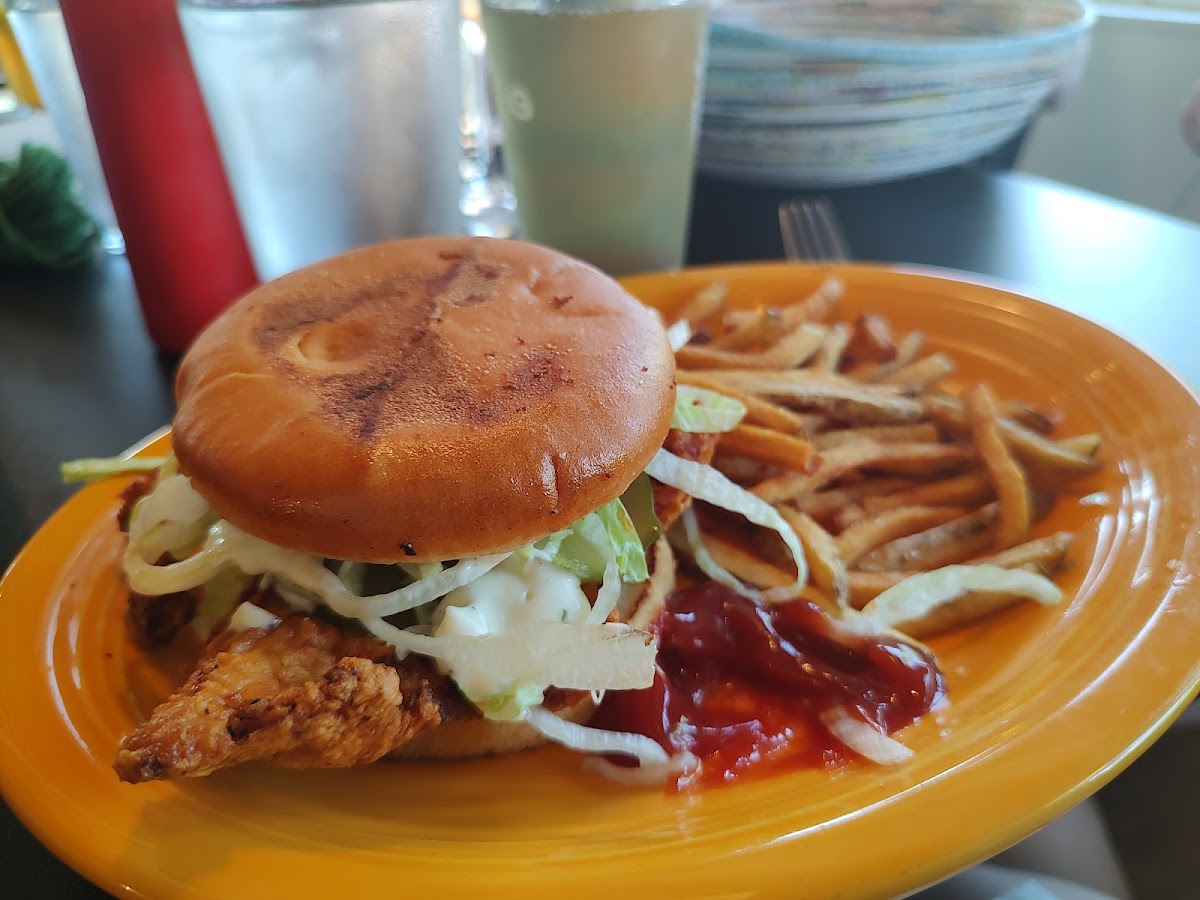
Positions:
(1046, 705)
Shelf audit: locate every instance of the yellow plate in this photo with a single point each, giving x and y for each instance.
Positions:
(1046, 705)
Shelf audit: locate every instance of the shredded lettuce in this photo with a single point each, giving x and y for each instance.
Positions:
(863, 738)
(421, 570)
(607, 596)
(922, 594)
(218, 596)
(638, 501)
(679, 334)
(352, 575)
(606, 535)
(697, 409)
(510, 705)
(706, 483)
(594, 740)
(95, 469)
(171, 519)
(582, 657)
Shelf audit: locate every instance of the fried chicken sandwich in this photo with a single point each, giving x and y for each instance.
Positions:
(408, 508)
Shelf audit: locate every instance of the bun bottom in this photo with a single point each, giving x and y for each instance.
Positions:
(468, 738)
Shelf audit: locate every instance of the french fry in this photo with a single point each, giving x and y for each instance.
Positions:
(834, 395)
(827, 569)
(743, 470)
(834, 463)
(921, 433)
(820, 504)
(1083, 444)
(764, 328)
(847, 517)
(1046, 555)
(1025, 414)
(1055, 461)
(785, 450)
(703, 304)
(850, 432)
(906, 353)
(922, 373)
(788, 352)
(829, 356)
(864, 454)
(872, 339)
(1008, 480)
(869, 533)
(1030, 447)
(941, 545)
(966, 489)
(815, 423)
(866, 586)
(919, 458)
(820, 305)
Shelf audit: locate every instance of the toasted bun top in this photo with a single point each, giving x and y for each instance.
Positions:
(423, 400)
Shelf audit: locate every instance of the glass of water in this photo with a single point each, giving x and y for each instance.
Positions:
(337, 120)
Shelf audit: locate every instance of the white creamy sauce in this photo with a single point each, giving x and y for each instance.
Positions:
(248, 616)
(514, 593)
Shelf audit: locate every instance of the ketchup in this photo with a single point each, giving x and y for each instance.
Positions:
(742, 685)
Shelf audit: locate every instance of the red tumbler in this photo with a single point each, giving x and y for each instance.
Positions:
(173, 205)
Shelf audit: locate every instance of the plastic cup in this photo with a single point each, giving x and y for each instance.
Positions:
(600, 103)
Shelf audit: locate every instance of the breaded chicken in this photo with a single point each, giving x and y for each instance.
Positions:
(301, 694)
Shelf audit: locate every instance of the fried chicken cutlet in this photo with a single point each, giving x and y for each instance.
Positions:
(300, 694)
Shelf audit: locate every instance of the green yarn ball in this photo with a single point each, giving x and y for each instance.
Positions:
(42, 222)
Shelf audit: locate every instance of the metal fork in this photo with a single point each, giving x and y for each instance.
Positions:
(811, 231)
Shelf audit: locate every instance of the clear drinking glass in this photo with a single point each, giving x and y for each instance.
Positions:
(600, 103)
(337, 120)
(488, 205)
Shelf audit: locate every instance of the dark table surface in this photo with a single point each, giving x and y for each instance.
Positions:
(79, 377)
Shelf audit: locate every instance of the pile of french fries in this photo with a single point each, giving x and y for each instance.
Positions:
(880, 469)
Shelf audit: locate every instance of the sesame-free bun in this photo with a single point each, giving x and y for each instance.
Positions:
(423, 400)
(470, 738)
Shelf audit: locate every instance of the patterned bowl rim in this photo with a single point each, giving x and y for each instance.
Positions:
(751, 40)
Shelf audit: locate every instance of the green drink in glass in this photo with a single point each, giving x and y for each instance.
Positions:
(600, 103)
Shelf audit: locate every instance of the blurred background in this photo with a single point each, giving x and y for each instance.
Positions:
(1118, 131)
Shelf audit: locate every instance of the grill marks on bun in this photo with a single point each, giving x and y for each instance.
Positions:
(377, 371)
(445, 396)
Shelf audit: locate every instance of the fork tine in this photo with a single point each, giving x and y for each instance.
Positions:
(790, 230)
(810, 231)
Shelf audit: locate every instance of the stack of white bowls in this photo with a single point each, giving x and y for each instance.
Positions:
(825, 93)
